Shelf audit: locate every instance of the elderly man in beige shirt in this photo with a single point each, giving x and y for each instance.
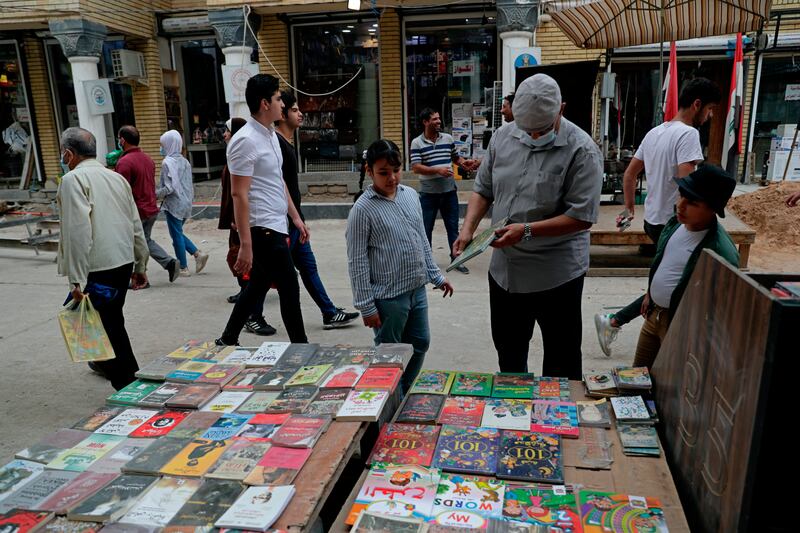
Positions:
(102, 244)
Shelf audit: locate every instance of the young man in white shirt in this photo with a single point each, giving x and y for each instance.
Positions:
(262, 203)
(669, 150)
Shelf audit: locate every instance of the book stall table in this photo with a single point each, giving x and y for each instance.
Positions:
(641, 476)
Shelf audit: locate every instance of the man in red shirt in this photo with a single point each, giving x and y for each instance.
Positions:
(140, 171)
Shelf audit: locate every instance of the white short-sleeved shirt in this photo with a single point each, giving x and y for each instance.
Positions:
(679, 249)
(255, 151)
(663, 149)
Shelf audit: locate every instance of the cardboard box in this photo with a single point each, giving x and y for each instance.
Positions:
(783, 144)
(777, 164)
(786, 130)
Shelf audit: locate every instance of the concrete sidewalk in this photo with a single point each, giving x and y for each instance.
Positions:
(41, 390)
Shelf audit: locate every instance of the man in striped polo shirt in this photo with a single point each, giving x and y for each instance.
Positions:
(432, 156)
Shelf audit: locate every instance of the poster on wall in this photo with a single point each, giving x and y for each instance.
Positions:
(98, 96)
(235, 77)
(527, 56)
(463, 68)
(792, 92)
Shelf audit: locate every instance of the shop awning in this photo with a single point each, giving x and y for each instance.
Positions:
(618, 23)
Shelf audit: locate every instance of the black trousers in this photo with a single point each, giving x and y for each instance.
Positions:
(119, 371)
(272, 263)
(558, 313)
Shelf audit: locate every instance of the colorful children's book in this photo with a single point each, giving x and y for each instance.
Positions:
(274, 379)
(226, 427)
(632, 378)
(152, 459)
(238, 460)
(205, 506)
(405, 444)
(530, 457)
(462, 411)
(293, 399)
(257, 402)
(279, 466)
(630, 409)
(600, 384)
(268, 354)
(159, 424)
(226, 401)
(158, 369)
(545, 388)
(605, 511)
(639, 439)
(113, 500)
(594, 413)
(194, 425)
(220, 374)
(392, 355)
(193, 396)
(16, 474)
(472, 384)
(507, 413)
(191, 349)
(262, 427)
(555, 417)
(363, 405)
(405, 491)
(119, 456)
(97, 419)
(133, 393)
(542, 508)
(161, 502)
(380, 378)
(309, 375)
(371, 522)
(159, 397)
(300, 431)
(257, 508)
(296, 355)
(479, 244)
(421, 408)
(51, 445)
(32, 494)
(433, 382)
(126, 422)
(468, 450)
(80, 488)
(22, 521)
(190, 371)
(86, 452)
(196, 458)
(513, 385)
(467, 502)
(328, 402)
(345, 376)
(246, 379)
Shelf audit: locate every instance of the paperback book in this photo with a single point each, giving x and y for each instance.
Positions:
(472, 384)
(421, 408)
(343, 377)
(190, 371)
(300, 431)
(384, 378)
(394, 355)
(513, 385)
(274, 379)
(158, 369)
(268, 354)
(363, 405)
(97, 419)
(113, 500)
(632, 378)
(630, 409)
(560, 418)
(132, 393)
(257, 508)
(205, 506)
(262, 427)
(605, 511)
(159, 397)
(404, 491)
(595, 413)
(152, 459)
(196, 458)
(161, 502)
(246, 379)
(462, 411)
(60, 524)
(82, 455)
(405, 444)
(329, 355)
(639, 439)
(191, 349)
(545, 388)
(22, 521)
(467, 502)
(373, 522)
(32, 494)
(126, 422)
(296, 355)
(16, 474)
(257, 402)
(220, 374)
(309, 375)
(542, 508)
(357, 355)
(530, 456)
(80, 488)
(51, 445)
(194, 425)
(159, 424)
(226, 401)
(469, 450)
(433, 382)
(328, 402)
(507, 413)
(600, 384)
(119, 456)
(293, 400)
(193, 396)
(239, 460)
(479, 244)
(226, 427)
(279, 466)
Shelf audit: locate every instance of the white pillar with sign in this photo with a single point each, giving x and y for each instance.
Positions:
(516, 21)
(237, 43)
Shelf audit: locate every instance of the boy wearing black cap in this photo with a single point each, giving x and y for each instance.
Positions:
(693, 228)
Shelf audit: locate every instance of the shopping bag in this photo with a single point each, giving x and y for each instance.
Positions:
(83, 332)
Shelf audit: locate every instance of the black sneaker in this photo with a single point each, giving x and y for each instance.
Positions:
(220, 342)
(259, 326)
(94, 367)
(233, 298)
(174, 270)
(339, 319)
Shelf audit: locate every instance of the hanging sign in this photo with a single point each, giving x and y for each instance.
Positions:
(235, 79)
(463, 68)
(98, 96)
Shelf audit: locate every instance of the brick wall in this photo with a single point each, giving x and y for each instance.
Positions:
(557, 48)
(148, 101)
(274, 40)
(391, 77)
(43, 117)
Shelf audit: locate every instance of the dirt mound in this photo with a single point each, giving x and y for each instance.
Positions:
(766, 212)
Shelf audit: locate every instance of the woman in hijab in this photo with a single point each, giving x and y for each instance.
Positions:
(177, 191)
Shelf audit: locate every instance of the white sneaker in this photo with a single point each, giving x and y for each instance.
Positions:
(606, 333)
(185, 273)
(200, 261)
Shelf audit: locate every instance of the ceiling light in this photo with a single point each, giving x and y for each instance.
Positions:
(355, 5)
(345, 31)
(375, 25)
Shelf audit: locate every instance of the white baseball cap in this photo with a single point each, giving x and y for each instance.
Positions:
(537, 103)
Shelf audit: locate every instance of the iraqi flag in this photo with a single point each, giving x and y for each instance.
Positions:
(671, 85)
(732, 145)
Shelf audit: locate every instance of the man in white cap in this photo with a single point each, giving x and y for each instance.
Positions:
(544, 174)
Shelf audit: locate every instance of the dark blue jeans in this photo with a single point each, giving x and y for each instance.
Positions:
(447, 203)
(304, 261)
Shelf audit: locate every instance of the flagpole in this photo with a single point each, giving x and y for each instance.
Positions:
(660, 109)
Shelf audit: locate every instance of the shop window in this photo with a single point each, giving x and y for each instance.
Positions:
(449, 69)
(337, 127)
(16, 150)
(778, 103)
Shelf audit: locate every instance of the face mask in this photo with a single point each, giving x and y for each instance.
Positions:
(545, 139)
(162, 152)
(119, 145)
(64, 166)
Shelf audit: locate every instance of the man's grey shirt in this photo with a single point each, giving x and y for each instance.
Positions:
(528, 184)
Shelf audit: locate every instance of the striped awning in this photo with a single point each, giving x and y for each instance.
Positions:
(618, 23)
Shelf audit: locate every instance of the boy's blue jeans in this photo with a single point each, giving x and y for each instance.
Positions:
(404, 318)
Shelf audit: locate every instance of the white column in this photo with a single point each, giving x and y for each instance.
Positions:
(233, 57)
(84, 68)
(512, 40)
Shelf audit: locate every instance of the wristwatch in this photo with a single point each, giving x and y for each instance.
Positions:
(526, 232)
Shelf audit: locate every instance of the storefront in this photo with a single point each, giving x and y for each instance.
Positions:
(450, 61)
(18, 162)
(336, 74)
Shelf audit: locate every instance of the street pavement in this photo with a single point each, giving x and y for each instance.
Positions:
(41, 390)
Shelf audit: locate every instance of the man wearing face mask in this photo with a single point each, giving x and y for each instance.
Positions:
(544, 174)
(101, 244)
